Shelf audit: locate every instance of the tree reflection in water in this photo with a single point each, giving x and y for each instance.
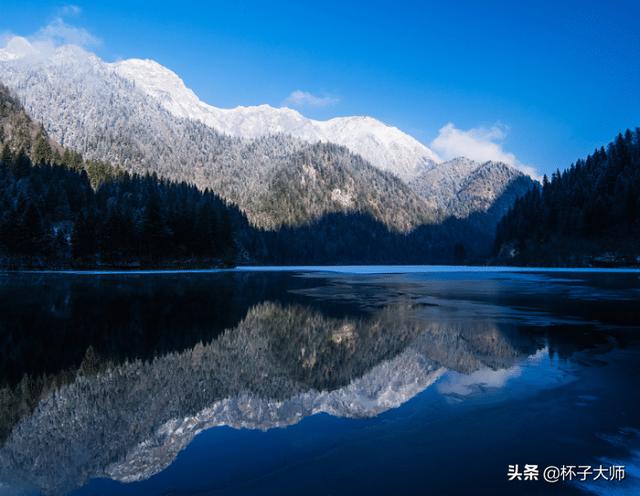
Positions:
(164, 361)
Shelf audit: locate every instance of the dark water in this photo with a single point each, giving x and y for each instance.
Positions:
(307, 382)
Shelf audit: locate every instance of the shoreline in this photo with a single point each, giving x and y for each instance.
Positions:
(344, 269)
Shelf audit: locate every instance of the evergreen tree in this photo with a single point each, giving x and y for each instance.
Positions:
(42, 152)
(84, 241)
(21, 165)
(590, 208)
(51, 212)
(6, 156)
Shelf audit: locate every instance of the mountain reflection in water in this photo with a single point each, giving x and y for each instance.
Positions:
(150, 363)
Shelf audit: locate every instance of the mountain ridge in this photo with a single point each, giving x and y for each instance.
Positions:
(147, 120)
(385, 147)
(89, 108)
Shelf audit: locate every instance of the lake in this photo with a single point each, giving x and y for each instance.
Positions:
(327, 381)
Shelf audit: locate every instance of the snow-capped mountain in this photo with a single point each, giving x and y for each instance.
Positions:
(276, 180)
(385, 147)
(279, 167)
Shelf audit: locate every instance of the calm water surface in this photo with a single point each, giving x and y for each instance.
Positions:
(306, 381)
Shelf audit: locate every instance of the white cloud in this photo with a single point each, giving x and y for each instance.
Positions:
(299, 98)
(42, 43)
(12, 46)
(58, 32)
(456, 383)
(480, 144)
(69, 10)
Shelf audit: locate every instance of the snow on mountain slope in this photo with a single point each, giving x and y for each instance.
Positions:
(461, 187)
(441, 182)
(276, 180)
(385, 147)
(279, 167)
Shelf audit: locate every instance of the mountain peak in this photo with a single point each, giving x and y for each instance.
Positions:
(160, 83)
(386, 147)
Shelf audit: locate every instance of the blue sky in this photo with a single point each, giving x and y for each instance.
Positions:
(544, 82)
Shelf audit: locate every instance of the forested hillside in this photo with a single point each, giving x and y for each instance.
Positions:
(463, 188)
(276, 180)
(588, 214)
(50, 215)
(360, 239)
(57, 209)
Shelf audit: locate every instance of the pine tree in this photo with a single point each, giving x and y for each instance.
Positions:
(592, 206)
(84, 242)
(21, 165)
(42, 152)
(154, 230)
(6, 156)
